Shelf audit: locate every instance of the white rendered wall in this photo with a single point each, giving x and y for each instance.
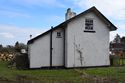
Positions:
(94, 46)
(40, 52)
(58, 48)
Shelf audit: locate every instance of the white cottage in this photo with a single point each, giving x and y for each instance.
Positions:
(81, 41)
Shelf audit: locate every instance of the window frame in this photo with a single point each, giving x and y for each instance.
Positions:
(58, 34)
(89, 27)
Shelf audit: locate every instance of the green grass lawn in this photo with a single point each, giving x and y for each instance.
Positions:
(9, 73)
(117, 73)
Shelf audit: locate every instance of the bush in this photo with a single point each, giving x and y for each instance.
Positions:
(117, 60)
(22, 61)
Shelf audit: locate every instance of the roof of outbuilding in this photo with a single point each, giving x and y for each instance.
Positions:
(111, 26)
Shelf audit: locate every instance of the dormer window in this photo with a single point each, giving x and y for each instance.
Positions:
(89, 25)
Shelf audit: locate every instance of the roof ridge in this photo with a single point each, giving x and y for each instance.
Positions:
(111, 27)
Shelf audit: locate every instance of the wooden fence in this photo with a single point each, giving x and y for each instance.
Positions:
(117, 60)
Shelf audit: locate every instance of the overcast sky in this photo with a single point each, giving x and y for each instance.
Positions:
(20, 18)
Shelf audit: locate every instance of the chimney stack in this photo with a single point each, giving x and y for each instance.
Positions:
(69, 14)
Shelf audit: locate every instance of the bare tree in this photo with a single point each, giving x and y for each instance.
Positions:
(79, 50)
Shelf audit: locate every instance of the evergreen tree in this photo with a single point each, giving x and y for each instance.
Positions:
(123, 39)
(17, 49)
(117, 39)
(1, 46)
(19, 46)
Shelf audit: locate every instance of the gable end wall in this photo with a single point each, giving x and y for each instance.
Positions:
(94, 46)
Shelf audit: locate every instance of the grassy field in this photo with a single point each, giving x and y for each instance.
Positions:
(116, 73)
(11, 74)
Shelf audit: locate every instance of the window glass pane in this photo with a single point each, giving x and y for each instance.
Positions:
(88, 24)
(58, 34)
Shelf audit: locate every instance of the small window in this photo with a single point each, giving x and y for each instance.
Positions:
(59, 35)
(89, 24)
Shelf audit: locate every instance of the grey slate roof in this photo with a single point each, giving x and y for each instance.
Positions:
(111, 26)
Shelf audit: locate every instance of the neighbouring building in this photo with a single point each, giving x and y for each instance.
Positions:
(117, 47)
(80, 41)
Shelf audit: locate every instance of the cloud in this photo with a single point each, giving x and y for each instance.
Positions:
(42, 3)
(111, 8)
(6, 35)
(13, 14)
(120, 31)
(9, 34)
